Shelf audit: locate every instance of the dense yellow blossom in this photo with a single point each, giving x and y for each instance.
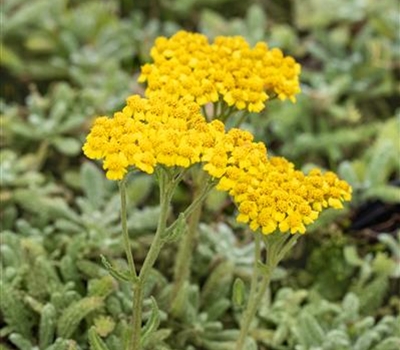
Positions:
(229, 69)
(270, 194)
(147, 132)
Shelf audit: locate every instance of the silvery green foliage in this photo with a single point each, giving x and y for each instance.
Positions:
(95, 214)
(200, 311)
(336, 266)
(374, 273)
(219, 259)
(369, 176)
(52, 120)
(96, 343)
(19, 171)
(100, 205)
(351, 331)
(34, 293)
(94, 55)
(50, 304)
(304, 321)
(252, 26)
(53, 278)
(219, 242)
(69, 51)
(393, 245)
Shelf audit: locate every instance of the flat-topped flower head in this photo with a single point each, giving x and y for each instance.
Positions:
(288, 200)
(271, 195)
(147, 132)
(227, 69)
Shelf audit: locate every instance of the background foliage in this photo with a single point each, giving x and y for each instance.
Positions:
(65, 61)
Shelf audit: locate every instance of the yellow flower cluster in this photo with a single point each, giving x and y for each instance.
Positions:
(166, 128)
(188, 65)
(147, 132)
(270, 194)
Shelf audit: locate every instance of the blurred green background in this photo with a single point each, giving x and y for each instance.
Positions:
(63, 62)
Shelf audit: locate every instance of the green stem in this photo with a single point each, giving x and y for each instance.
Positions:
(186, 246)
(137, 316)
(253, 296)
(277, 245)
(136, 289)
(198, 201)
(167, 186)
(125, 233)
(166, 191)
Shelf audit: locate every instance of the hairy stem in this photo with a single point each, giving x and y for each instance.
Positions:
(167, 186)
(253, 296)
(137, 316)
(198, 201)
(125, 234)
(166, 190)
(277, 246)
(186, 246)
(136, 291)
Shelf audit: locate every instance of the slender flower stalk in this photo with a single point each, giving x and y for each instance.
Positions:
(137, 317)
(186, 246)
(125, 234)
(251, 305)
(136, 287)
(277, 245)
(166, 186)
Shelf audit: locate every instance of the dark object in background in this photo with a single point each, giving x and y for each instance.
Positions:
(377, 216)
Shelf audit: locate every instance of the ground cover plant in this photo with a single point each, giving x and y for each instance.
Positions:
(172, 245)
